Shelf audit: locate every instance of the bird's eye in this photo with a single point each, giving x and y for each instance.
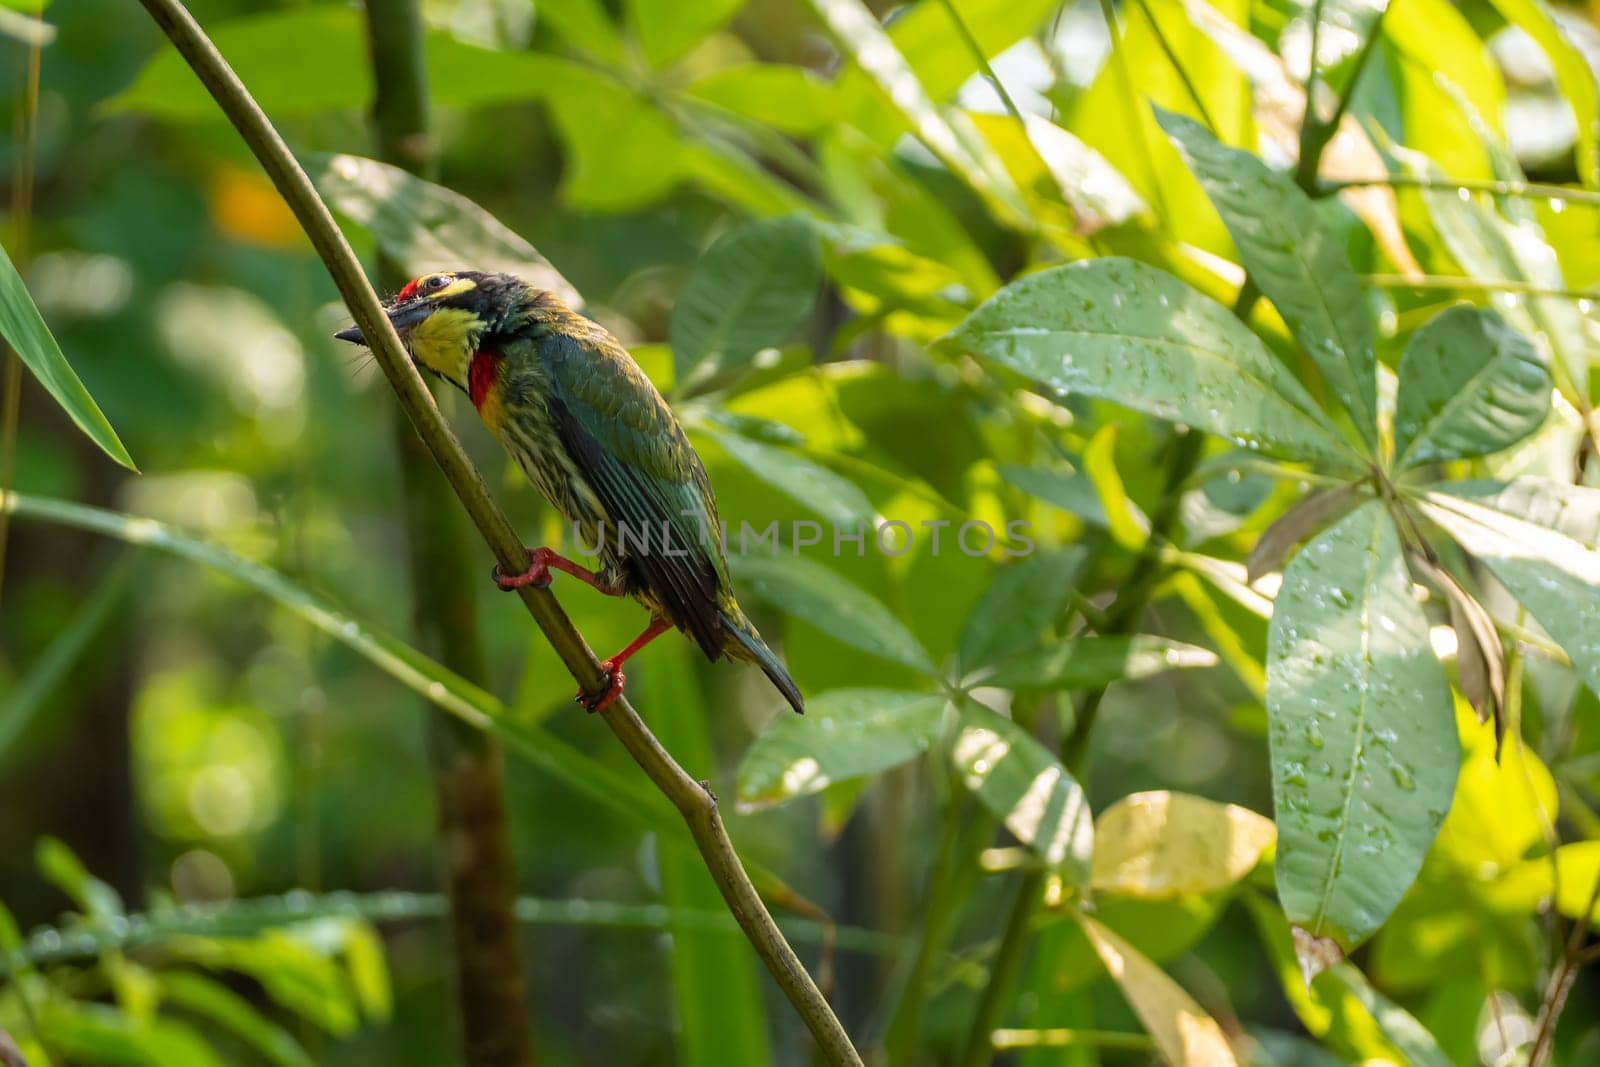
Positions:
(436, 282)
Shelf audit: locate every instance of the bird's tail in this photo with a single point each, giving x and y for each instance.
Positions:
(754, 650)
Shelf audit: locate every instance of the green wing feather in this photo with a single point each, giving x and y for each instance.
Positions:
(625, 440)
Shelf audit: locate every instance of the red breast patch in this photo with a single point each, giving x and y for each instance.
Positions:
(481, 374)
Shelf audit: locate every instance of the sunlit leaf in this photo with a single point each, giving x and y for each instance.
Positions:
(952, 139)
(61, 867)
(837, 499)
(1470, 384)
(1298, 262)
(1067, 489)
(272, 51)
(295, 971)
(666, 29)
(25, 331)
(1554, 575)
(1162, 845)
(845, 733)
(622, 152)
(427, 227)
(1398, 1025)
(1185, 1034)
(98, 1033)
(1363, 740)
(751, 290)
(1024, 786)
(1124, 331)
(1501, 239)
(1573, 75)
(791, 99)
(1129, 527)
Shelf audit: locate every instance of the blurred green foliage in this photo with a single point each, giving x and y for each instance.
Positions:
(942, 266)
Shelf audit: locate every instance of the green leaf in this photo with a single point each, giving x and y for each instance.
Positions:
(667, 29)
(721, 1018)
(1162, 845)
(1121, 330)
(61, 867)
(1182, 1030)
(1500, 239)
(1363, 739)
(1574, 77)
(23, 328)
(948, 136)
(622, 152)
(97, 1033)
(831, 603)
(792, 100)
(1024, 786)
(845, 733)
(1410, 1037)
(1019, 606)
(1555, 575)
(1067, 489)
(369, 973)
(271, 53)
(295, 968)
(1470, 384)
(751, 290)
(1092, 662)
(1297, 261)
(835, 498)
(1129, 527)
(427, 227)
(220, 1005)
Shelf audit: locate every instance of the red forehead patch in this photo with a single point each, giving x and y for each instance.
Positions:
(408, 292)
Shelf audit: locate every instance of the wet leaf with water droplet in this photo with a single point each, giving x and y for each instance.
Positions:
(1354, 670)
(1470, 384)
(1188, 359)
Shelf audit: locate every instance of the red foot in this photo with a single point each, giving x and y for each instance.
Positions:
(615, 680)
(540, 563)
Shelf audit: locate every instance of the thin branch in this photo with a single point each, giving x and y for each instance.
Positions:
(1475, 285)
(695, 802)
(1531, 190)
(982, 59)
(1555, 997)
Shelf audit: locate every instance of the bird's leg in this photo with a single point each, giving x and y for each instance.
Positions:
(541, 561)
(613, 668)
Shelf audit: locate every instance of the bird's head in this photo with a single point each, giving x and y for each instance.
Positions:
(446, 317)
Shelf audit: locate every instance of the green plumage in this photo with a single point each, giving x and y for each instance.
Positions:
(597, 439)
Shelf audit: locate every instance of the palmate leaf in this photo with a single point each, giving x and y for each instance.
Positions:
(1363, 742)
(1470, 384)
(1298, 262)
(1127, 332)
(1538, 539)
(25, 331)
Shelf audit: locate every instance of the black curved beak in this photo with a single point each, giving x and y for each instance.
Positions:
(403, 317)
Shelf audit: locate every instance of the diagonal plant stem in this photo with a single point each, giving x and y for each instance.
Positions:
(692, 799)
(474, 833)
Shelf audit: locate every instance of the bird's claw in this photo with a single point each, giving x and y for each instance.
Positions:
(615, 680)
(537, 575)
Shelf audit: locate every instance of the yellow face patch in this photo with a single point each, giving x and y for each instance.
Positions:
(442, 342)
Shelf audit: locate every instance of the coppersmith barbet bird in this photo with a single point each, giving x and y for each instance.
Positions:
(592, 434)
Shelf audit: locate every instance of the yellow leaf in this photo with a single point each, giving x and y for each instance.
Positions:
(1128, 525)
(1186, 1035)
(1161, 845)
(1501, 809)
